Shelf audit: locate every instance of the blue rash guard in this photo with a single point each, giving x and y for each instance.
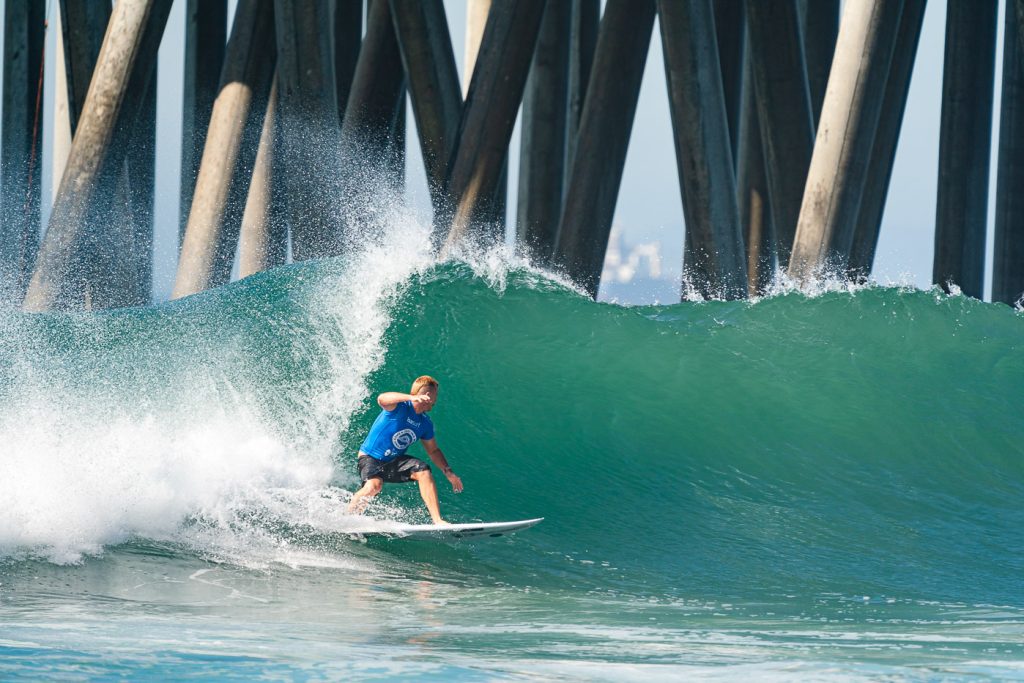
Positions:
(394, 431)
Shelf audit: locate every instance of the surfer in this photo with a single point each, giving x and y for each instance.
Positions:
(402, 422)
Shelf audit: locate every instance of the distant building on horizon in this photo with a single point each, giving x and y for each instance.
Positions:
(634, 273)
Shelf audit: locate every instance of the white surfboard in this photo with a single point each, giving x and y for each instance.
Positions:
(445, 531)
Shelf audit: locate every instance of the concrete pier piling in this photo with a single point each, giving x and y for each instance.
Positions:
(1008, 264)
(730, 32)
(21, 174)
(117, 269)
(476, 20)
(83, 24)
(496, 207)
(139, 186)
(377, 94)
(377, 83)
(819, 25)
(308, 120)
(586, 17)
(883, 155)
(543, 143)
(1019, 6)
(964, 145)
(215, 218)
(785, 116)
(608, 110)
(714, 260)
(263, 243)
(397, 142)
(348, 39)
(752, 195)
(846, 136)
(206, 24)
(61, 135)
(433, 83)
(98, 150)
(775, 43)
(489, 114)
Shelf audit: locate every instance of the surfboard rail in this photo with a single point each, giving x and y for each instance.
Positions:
(456, 531)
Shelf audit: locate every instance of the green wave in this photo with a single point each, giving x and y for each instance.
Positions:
(850, 442)
(854, 443)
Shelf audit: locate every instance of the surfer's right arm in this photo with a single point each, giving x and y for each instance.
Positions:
(389, 399)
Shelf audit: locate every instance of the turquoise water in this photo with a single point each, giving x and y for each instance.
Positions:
(814, 487)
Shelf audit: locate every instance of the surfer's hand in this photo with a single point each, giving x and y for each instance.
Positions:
(416, 399)
(455, 481)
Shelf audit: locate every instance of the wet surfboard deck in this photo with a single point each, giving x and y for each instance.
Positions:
(446, 531)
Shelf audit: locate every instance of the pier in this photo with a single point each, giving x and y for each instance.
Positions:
(786, 116)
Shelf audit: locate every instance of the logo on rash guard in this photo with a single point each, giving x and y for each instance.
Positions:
(404, 439)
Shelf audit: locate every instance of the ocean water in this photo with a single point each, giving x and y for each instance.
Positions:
(823, 486)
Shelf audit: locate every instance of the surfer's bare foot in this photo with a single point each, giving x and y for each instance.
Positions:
(441, 521)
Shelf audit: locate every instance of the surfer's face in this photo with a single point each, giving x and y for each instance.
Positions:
(431, 393)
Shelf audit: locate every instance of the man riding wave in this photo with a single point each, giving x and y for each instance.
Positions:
(402, 422)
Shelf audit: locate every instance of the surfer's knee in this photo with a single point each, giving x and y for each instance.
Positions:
(422, 475)
(373, 486)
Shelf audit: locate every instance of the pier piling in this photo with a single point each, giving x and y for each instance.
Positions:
(206, 34)
(752, 194)
(308, 125)
(205, 38)
(98, 150)
(785, 124)
(263, 242)
(21, 174)
(115, 273)
(489, 114)
(608, 111)
(883, 154)
(348, 40)
(1008, 265)
(1019, 6)
(714, 246)
(586, 17)
(215, 217)
(377, 84)
(819, 25)
(845, 138)
(543, 142)
(378, 92)
(433, 82)
(133, 219)
(61, 133)
(964, 145)
(495, 207)
(730, 32)
(784, 109)
(397, 142)
(83, 24)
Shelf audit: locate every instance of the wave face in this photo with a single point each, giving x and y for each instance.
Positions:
(850, 442)
(865, 442)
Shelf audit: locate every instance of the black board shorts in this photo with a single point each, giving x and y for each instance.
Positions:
(397, 471)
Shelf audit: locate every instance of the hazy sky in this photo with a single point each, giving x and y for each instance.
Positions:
(649, 206)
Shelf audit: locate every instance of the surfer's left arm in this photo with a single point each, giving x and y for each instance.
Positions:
(438, 458)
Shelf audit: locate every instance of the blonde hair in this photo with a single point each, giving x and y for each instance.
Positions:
(423, 381)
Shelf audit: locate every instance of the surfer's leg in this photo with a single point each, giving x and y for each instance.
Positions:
(361, 498)
(429, 492)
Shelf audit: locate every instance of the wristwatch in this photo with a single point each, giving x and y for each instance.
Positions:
(446, 470)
